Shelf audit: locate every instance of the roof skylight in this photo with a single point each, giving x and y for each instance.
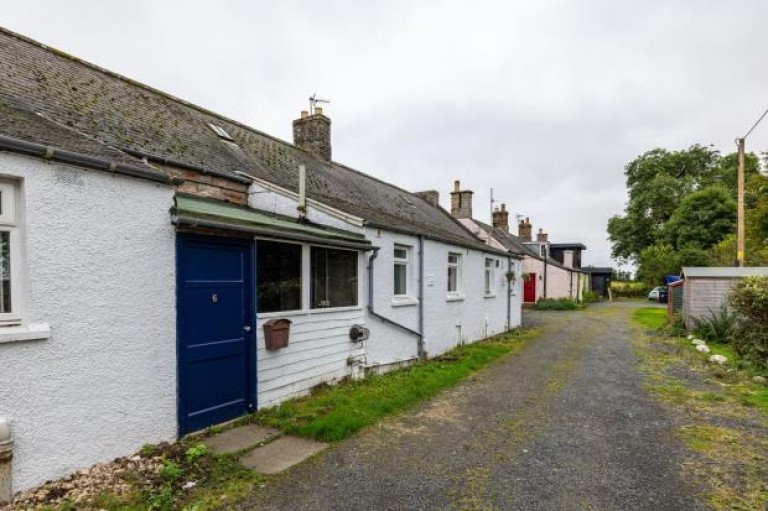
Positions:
(221, 132)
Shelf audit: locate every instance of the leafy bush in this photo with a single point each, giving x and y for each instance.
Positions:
(557, 304)
(590, 297)
(629, 289)
(718, 327)
(749, 301)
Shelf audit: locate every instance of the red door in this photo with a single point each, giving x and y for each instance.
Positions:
(529, 289)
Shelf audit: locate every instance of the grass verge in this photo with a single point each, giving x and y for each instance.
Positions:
(332, 413)
(722, 415)
(651, 317)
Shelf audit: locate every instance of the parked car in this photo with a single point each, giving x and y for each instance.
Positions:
(656, 294)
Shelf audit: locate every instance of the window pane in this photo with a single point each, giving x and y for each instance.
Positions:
(453, 258)
(5, 272)
(487, 281)
(334, 277)
(278, 276)
(401, 277)
(401, 253)
(453, 274)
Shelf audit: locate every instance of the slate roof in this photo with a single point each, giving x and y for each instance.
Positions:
(50, 97)
(516, 246)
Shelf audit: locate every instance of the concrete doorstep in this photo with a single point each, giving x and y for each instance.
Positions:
(281, 454)
(265, 449)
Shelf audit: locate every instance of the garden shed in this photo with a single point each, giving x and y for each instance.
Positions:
(706, 289)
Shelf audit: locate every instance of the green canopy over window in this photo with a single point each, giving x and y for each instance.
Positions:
(195, 211)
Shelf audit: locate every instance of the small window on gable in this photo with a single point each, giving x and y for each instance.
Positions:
(489, 277)
(454, 273)
(401, 263)
(10, 251)
(221, 132)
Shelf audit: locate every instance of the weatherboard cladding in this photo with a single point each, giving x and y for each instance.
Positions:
(48, 96)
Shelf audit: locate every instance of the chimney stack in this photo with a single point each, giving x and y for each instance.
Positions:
(501, 218)
(313, 133)
(524, 230)
(542, 236)
(461, 201)
(431, 196)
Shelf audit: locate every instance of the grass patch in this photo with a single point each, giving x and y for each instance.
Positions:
(332, 413)
(721, 410)
(650, 317)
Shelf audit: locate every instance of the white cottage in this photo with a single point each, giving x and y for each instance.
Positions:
(147, 245)
(544, 275)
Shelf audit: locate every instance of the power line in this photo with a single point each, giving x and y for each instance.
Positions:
(755, 125)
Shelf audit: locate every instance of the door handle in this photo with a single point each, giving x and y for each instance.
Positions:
(247, 329)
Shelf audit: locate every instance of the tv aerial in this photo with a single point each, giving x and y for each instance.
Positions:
(313, 101)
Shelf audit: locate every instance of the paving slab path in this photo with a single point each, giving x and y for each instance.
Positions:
(563, 424)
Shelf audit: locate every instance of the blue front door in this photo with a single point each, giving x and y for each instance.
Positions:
(217, 363)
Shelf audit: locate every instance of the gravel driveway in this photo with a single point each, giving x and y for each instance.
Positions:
(564, 424)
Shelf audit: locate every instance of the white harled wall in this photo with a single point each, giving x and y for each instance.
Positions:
(99, 272)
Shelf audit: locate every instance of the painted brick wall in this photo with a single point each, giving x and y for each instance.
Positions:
(99, 267)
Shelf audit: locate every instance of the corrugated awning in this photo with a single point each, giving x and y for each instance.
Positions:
(195, 211)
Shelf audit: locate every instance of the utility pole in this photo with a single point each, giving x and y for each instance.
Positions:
(740, 205)
(740, 194)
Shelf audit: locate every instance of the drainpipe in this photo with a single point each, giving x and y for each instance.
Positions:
(421, 351)
(509, 294)
(6, 457)
(545, 271)
(570, 289)
(302, 207)
(385, 319)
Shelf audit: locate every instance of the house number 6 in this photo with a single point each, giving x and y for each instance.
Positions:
(214, 298)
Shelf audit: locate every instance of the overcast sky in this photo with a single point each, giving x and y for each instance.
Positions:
(545, 101)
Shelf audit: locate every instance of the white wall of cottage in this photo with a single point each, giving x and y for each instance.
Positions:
(98, 271)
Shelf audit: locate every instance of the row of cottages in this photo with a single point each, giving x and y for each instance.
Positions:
(548, 270)
(148, 244)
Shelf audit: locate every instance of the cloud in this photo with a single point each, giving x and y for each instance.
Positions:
(545, 102)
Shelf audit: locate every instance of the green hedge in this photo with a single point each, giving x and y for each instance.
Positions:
(557, 304)
(749, 301)
(629, 289)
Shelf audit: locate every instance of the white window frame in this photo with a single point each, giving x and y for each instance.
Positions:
(404, 262)
(9, 222)
(457, 264)
(490, 277)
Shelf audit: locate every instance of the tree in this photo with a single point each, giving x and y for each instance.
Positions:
(703, 219)
(661, 259)
(657, 181)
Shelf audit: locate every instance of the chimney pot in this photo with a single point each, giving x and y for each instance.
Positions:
(524, 230)
(501, 218)
(461, 201)
(542, 236)
(313, 134)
